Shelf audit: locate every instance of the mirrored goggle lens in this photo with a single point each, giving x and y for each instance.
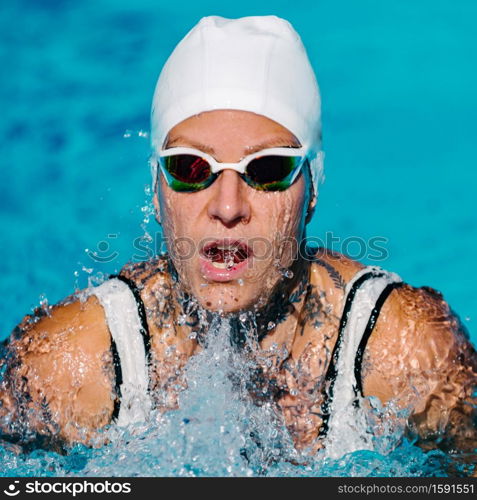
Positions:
(189, 169)
(268, 170)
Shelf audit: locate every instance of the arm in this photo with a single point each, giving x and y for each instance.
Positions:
(420, 357)
(57, 377)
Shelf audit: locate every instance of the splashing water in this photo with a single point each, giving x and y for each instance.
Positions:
(218, 430)
(148, 214)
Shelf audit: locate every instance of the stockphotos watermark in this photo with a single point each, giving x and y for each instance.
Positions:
(146, 247)
(49, 486)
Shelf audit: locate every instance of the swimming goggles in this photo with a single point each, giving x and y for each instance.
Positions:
(272, 169)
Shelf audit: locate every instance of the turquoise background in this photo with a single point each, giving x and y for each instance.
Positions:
(398, 82)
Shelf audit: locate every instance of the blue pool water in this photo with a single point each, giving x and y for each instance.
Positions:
(398, 86)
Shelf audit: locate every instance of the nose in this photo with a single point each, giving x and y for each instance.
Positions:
(229, 203)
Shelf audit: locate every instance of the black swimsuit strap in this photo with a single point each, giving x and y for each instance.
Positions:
(118, 378)
(141, 310)
(332, 373)
(367, 333)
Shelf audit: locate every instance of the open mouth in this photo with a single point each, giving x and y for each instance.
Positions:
(226, 253)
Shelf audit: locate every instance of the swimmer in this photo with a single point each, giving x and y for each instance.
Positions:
(236, 164)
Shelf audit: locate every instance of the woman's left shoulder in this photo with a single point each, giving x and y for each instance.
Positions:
(416, 337)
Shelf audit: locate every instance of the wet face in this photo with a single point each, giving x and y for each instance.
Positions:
(230, 242)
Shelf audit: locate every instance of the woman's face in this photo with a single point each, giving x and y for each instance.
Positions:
(229, 241)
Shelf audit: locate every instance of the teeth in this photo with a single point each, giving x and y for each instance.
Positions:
(227, 248)
(226, 256)
(220, 265)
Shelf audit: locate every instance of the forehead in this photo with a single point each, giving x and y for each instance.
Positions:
(225, 127)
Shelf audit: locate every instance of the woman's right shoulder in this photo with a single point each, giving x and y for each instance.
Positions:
(62, 354)
(80, 318)
(60, 359)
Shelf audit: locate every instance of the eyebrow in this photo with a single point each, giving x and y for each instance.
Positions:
(277, 142)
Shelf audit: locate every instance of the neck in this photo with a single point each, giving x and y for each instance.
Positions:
(286, 301)
(279, 314)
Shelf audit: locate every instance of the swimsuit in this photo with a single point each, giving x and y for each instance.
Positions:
(130, 346)
(344, 422)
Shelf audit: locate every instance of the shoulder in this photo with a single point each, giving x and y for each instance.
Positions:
(422, 318)
(77, 323)
(78, 320)
(59, 358)
(418, 345)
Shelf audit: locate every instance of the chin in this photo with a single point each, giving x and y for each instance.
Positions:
(226, 298)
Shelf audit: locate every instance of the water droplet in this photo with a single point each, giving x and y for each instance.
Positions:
(240, 281)
(193, 335)
(271, 325)
(182, 319)
(170, 350)
(286, 273)
(243, 317)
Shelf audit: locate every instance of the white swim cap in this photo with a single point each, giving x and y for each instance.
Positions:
(256, 64)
